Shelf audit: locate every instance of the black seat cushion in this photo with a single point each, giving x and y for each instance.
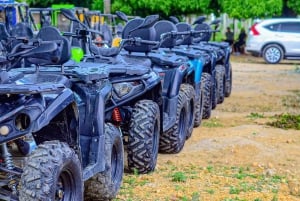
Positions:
(106, 52)
(3, 32)
(144, 33)
(182, 27)
(203, 36)
(165, 26)
(22, 30)
(52, 34)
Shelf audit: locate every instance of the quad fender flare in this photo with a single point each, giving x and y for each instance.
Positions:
(198, 65)
(64, 99)
(179, 76)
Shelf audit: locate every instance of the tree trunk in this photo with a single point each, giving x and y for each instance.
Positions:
(107, 6)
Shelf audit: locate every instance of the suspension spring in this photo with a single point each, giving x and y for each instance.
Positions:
(116, 115)
(8, 161)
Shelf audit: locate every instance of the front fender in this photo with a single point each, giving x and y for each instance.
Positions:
(62, 100)
(180, 73)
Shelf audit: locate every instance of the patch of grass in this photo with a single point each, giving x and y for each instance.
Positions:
(234, 199)
(212, 123)
(275, 198)
(210, 191)
(209, 168)
(179, 177)
(254, 115)
(292, 101)
(195, 196)
(286, 121)
(297, 69)
(234, 190)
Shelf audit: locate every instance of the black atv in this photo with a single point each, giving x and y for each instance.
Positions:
(202, 60)
(173, 69)
(52, 131)
(223, 50)
(136, 97)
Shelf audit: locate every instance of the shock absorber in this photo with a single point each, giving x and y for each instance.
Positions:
(7, 159)
(116, 115)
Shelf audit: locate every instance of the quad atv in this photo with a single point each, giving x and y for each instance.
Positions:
(138, 50)
(52, 131)
(223, 51)
(135, 106)
(177, 78)
(202, 60)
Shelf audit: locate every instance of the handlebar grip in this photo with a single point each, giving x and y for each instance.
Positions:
(148, 42)
(69, 34)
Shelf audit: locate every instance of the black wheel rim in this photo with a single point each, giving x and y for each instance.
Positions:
(65, 186)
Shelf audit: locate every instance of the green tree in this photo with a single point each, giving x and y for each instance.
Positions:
(243, 9)
(164, 8)
(97, 5)
(293, 5)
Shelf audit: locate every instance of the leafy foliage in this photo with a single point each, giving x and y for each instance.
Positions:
(243, 9)
(294, 5)
(162, 7)
(286, 121)
(240, 9)
(98, 5)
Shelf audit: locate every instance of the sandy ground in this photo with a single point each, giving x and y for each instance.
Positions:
(235, 155)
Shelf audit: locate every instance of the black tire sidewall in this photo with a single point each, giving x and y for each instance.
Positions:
(143, 139)
(51, 159)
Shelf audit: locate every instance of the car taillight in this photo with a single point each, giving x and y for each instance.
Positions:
(254, 30)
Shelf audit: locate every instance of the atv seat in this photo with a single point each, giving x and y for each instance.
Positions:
(162, 27)
(204, 36)
(22, 30)
(52, 34)
(182, 27)
(143, 33)
(3, 32)
(59, 57)
(106, 52)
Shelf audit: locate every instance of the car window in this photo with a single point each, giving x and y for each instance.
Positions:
(292, 27)
(273, 27)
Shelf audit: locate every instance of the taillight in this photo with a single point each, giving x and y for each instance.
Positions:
(254, 30)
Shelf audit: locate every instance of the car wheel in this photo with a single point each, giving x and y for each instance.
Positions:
(273, 54)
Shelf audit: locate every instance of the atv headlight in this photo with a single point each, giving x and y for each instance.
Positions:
(4, 130)
(123, 88)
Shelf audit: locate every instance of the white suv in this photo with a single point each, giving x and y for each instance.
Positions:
(275, 39)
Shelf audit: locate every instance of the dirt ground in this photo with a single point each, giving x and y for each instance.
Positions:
(235, 155)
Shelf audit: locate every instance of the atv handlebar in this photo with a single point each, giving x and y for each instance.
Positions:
(191, 33)
(137, 41)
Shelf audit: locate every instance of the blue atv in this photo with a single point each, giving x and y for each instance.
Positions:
(177, 99)
(135, 106)
(223, 51)
(202, 61)
(52, 127)
(177, 92)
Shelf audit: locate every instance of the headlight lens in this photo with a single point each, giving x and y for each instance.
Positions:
(4, 130)
(123, 88)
